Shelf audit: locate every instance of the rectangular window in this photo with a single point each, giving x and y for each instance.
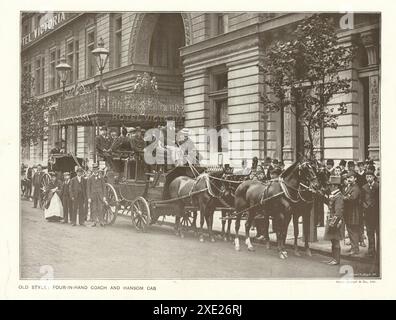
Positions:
(220, 81)
(52, 75)
(91, 64)
(70, 60)
(37, 76)
(58, 58)
(42, 74)
(117, 41)
(222, 23)
(76, 59)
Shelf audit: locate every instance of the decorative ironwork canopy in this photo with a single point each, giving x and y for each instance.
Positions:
(142, 106)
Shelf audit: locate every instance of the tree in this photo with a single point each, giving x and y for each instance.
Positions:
(303, 75)
(33, 113)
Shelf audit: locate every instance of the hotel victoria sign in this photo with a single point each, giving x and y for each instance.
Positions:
(49, 24)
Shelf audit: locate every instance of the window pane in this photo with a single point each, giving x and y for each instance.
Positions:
(118, 24)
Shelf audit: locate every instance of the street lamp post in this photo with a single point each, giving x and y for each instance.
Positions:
(101, 54)
(63, 70)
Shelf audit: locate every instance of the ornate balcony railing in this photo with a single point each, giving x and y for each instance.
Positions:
(101, 106)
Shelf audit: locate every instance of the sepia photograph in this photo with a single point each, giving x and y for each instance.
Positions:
(200, 145)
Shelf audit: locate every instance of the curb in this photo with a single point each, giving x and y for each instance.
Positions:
(290, 246)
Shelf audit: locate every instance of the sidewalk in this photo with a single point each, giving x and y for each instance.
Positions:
(321, 246)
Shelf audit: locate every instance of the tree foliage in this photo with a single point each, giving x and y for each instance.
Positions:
(304, 74)
(33, 112)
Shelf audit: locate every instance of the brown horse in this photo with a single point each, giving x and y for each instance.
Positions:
(303, 209)
(274, 198)
(201, 192)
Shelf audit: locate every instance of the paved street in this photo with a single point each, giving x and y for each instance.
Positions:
(120, 252)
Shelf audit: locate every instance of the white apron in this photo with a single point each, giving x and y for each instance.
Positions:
(55, 208)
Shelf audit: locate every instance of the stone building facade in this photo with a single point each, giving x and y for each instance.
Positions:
(210, 61)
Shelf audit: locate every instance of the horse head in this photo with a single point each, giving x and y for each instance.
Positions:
(308, 177)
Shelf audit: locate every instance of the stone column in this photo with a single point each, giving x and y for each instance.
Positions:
(289, 147)
(369, 40)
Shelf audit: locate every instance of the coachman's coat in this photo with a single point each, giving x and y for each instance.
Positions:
(336, 208)
(352, 208)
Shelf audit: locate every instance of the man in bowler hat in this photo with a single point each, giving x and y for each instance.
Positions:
(78, 195)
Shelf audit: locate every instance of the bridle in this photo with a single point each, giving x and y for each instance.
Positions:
(301, 186)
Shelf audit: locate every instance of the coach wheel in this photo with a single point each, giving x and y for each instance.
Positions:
(45, 180)
(140, 212)
(111, 210)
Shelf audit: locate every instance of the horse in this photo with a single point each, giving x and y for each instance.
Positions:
(275, 198)
(303, 208)
(201, 192)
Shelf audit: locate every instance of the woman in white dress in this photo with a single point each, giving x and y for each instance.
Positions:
(53, 209)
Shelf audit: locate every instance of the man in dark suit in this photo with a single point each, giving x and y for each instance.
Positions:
(370, 202)
(78, 195)
(102, 144)
(96, 195)
(66, 198)
(36, 183)
(352, 211)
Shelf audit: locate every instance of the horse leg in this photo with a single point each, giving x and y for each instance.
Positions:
(248, 224)
(306, 227)
(228, 234)
(194, 222)
(209, 223)
(201, 223)
(296, 231)
(237, 226)
(223, 223)
(177, 225)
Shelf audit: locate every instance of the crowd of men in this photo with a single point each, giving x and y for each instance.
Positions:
(356, 185)
(80, 195)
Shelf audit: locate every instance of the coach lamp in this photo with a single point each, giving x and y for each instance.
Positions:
(101, 54)
(63, 70)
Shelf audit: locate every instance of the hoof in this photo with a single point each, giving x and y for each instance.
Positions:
(297, 253)
(201, 239)
(268, 245)
(251, 249)
(182, 235)
(283, 255)
(212, 239)
(308, 252)
(237, 248)
(225, 239)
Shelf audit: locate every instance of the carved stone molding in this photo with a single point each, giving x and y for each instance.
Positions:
(370, 42)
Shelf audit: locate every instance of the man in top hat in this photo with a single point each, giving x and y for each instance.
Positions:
(342, 165)
(137, 141)
(78, 195)
(122, 143)
(334, 230)
(96, 196)
(370, 202)
(275, 173)
(267, 167)
(352, 211)
(36, 183)
(329, 167)
(66, 198)
(187, 147)
(361, 174)
(102, 144)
